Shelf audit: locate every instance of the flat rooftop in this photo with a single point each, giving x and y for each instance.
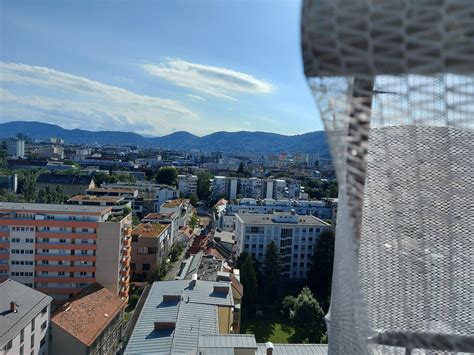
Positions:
(112, 199)
(149, 229)
(159, 216)
(49, 207)
(268, 219)
(88, 313)
(175, 203)
(112, 189)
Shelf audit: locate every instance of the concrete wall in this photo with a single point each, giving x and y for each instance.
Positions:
(64, 343)
(109, 252)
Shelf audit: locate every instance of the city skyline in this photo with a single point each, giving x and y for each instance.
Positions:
(156, 68)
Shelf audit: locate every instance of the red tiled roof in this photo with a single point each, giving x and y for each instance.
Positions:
(88, 313)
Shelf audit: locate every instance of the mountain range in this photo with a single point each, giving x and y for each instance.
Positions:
(227, 142)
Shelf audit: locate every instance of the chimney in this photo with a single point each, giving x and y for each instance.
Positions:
(13, 307)
(269, 347)
(194, 278)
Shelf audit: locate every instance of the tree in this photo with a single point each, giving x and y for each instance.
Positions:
(167, 175)
(204, 185)
(27, 186)
(193, 221)
(249, 282)
(271, 269)
(242, 172)
(193, 198)
(320, 274)
(307, 315)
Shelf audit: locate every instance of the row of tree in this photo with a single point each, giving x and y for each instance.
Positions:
(263, 282)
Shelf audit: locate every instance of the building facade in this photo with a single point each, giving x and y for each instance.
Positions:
(15, 147)
(151, 243)
(293, 234)
(187, 184)
(24, 320)
(61, 249)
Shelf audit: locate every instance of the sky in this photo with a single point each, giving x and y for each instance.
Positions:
(155, 67)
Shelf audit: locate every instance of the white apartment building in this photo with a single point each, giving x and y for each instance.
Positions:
(24, 322)
(187, 184)
(232, 188)
(293, 234)
(15, 147)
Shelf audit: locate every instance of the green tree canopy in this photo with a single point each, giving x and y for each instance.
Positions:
(271, 269)
(193, 198)
(204, 185)
(193, 221)
(249, 282)
(307, 315)
(167, 175)
(320, 274)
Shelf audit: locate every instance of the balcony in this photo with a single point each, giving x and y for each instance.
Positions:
(65, 268)
(127, 242)
(124, 281)
(127, 251)
(125, 271)
(65, 279)
(126, 261)
(69, 246)
(4, 267)
(66, 235)
(67, 257)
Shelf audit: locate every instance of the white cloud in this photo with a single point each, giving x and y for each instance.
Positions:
(210, 80)
(73, 99)
(196, 97)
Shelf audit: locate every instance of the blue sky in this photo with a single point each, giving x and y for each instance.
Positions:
(155, 67)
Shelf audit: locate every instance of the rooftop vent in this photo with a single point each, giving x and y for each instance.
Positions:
(269, 347)
(165, 325)
(171, 298)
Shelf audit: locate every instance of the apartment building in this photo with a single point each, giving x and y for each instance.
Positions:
(90, 323)
(294, 235)
(128, 194)
(232, 188)
(181, 206)
(117, 203)
(61, 249)
(24, 320)
(187, 184)
(71, 184)
(151, 243)
(15, 147)
(171, 218)
(159, 193)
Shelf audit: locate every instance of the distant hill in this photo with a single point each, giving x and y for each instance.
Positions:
(228, 142)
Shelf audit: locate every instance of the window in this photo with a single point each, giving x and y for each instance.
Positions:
(83, 252)
(286, 232)
(43, 311)
(62, 240)
(133, 266)
(142, 250)
(61, 273)
(22, 335)
(85, 230)
(32, 341)
(43, 326)
(146, 267)
(134, 238)
(8, 345)
(21, 350)
(46, 240)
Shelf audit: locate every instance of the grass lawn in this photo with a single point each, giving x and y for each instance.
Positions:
(268, 330)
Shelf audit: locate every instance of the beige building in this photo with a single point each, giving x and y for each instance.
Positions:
(89, 324)
(151, 243)
(71, 184)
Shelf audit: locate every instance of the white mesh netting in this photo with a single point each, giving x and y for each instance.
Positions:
(395, 87)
